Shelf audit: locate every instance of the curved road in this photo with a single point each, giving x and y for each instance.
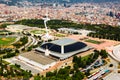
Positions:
(116, 53)
(31, 41)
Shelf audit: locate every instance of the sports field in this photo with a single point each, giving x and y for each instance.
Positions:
(59, 35)
(93, 41)
(7, 40)
(38, 31)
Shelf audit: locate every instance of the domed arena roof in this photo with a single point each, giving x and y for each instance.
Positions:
(67, 48)
(63, 48)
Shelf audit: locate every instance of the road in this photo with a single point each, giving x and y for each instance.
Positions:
(114, 75)
(89, 67)
(31, 41)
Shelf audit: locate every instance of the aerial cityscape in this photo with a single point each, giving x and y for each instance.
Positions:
(59, 40)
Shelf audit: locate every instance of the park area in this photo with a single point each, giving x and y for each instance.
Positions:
(103, 45)
(4, 41)
(3, 32)
(38, 31)
(93, 41)
(59, 35)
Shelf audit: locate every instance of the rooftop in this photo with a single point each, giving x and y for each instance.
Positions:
(64, 48)
(34, 56)
(64, 41)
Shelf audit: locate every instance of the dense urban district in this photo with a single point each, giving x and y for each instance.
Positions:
(93, 13)
(60, 42)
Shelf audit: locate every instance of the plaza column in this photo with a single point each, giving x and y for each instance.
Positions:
(62, 49)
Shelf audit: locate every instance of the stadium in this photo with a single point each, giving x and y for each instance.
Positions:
(47, 54)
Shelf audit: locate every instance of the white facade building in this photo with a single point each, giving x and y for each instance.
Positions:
(40, 61)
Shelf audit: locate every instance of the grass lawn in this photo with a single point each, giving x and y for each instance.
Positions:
(119, 66)
(93, 41)
(3, 32)
(85, 57)
(59, 35)
(7, 40)
(38, 31)
(5, 62)
(16, 68)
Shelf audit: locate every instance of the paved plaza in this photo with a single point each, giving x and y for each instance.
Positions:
(112, 76)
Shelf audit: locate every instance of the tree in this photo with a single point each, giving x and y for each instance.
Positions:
(0, 60)
(18, 66)
(26, 75)
(75, 66)
(75, 58)
(49, 74)
(17, 51)
(103, 53)
(78, 76)
(23, 49)
(79, 61)
(111, 65)
(29, 48)
(83, 64)
(37, 77)
(87, 72)
(3, 25)
(88, 61)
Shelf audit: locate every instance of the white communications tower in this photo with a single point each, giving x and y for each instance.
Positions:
(46, 36)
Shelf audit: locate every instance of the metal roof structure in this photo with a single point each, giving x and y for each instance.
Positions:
(64, 48)
(32, 55)
(64, 41)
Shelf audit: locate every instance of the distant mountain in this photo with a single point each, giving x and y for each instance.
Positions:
(14, 2)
